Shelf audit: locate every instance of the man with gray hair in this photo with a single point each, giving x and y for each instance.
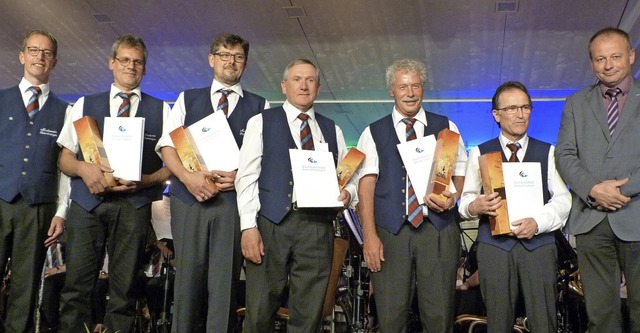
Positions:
(285, 244)
(112, 219)
(408, 248)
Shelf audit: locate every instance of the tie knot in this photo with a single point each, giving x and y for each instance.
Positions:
(613, 92)
(303, 116)
(35, 90)
(225, 92)
(125, 95)
(513, 147)
(409, 121)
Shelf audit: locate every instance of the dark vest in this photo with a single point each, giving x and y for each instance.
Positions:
(537, 151)
(150, 108)
(276, 180)
(390, 198)
(28, 149)
(197, 106)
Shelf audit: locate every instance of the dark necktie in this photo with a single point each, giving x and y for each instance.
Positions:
(223, 102)
(306, 140)
(414, 209)
(123, 109)
(32, 105)
(514, 147)
(613, 112)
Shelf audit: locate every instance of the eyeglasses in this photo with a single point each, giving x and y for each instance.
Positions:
(34, 51)
(512, 109)
(126, 61)
(226, 56)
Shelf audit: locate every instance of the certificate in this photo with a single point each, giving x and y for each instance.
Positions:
(314, 176)
(215, 142)
(417, 157)
(123, 140)
(523, 188)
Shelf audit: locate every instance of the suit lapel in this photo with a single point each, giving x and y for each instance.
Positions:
(597, 107)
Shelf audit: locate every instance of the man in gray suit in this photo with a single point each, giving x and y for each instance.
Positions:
(598, 155)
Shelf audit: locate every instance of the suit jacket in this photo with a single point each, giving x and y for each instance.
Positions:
(586, 154)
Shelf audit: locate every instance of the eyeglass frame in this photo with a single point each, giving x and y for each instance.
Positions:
(34, 51)
(126, 61)
(228, 56)
(513, 109)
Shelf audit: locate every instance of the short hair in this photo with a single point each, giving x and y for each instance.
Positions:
(131, 41)
(410, 65)
(508, 86)
(299, 62)
(54, 41)
(608, 31)
(227, 40)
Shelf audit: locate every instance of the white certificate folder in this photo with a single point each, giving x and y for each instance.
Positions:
(315, 179)
(523, 187)
(215, 142)
(123, 138)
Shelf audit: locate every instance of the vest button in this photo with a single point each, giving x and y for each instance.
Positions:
(28, 133)
(289, 195)
(27, 146)
(24, 173)
(25, 159)
(404, 179)
(403, 203)
(287, 208)
(290, 182)
(404, 217)
(403, 190)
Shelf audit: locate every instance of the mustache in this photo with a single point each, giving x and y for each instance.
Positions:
(410, 99)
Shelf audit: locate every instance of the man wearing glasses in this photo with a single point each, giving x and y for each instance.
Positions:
(526, 258)
(116, 219)
(204, 214)
(32, 118)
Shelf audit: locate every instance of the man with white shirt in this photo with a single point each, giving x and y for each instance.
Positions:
(283, 244)
(204, 215)
(108, 219)
(526, 258)
(408, 247)
(32, 208)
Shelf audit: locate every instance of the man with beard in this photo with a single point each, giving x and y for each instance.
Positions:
(204, 215)
(32, 118)
(108, 219)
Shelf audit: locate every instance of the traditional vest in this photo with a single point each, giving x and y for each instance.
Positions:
(276, 180)
(150, 108)
(28, 149)
(197, 106)
(390, 198)
(537, 151)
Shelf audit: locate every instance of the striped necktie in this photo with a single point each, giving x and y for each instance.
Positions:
(613, 111)
(223, 102)
(414, 209)
(33, 106)
(306, 140)
(123, 109)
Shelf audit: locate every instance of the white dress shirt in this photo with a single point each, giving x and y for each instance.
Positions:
(251, 158)
(370, 165)
(553, 215)
(175, 118)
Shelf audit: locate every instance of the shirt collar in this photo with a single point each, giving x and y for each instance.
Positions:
(24, 85)
(115, 91)
(524, 141)
(216, 85)
(293, 112)
(624, 86)
(420, 117)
